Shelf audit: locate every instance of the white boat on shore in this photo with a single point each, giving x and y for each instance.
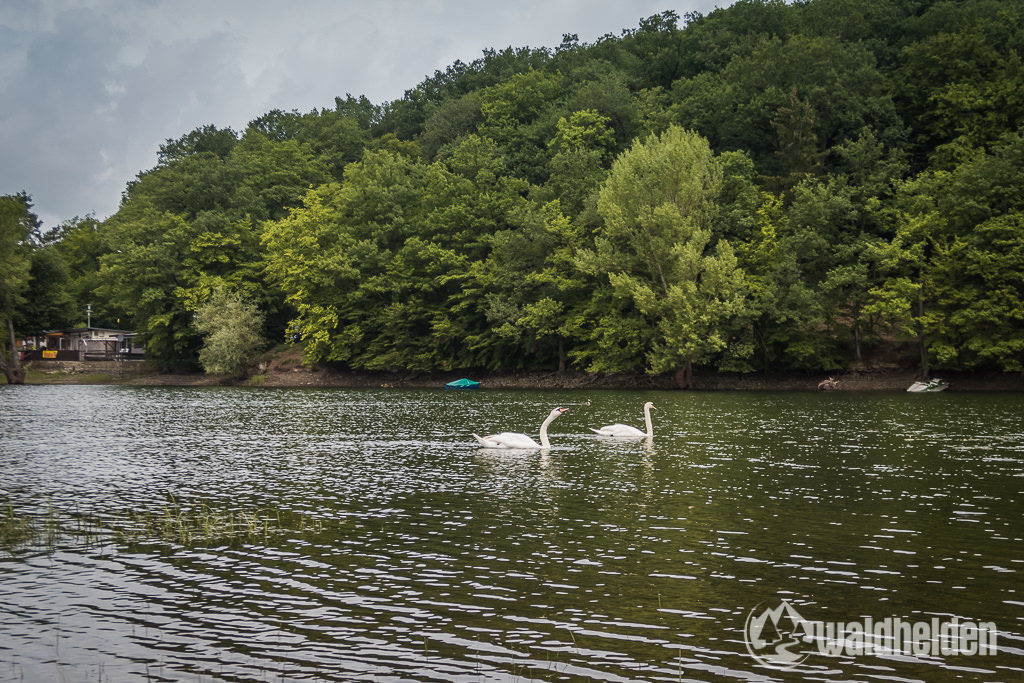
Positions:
(929, 387)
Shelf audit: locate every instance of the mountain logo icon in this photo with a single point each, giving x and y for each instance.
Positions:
(776, 636)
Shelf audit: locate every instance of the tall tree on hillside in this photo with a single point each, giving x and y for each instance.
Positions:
(46, 303)
(17, 226)
(582, 148)
(658, 204)
(958, 261)
(80, 243)
(787, 102)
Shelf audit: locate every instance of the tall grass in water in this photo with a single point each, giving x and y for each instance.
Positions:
(23, 531)
(15, 529)
(201, 523)
(174, 523)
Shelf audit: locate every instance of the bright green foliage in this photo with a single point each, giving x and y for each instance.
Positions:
(335, 137)
(230, 326)
(584, 129)
(192, 223)
(389, 269)
(531, 287)
(360, 267)
(582, 145)
(658, 204)
(606, 93)
(516, 101)
(143, 276)
(979, 295)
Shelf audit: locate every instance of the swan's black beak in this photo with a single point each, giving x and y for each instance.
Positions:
(562, 410)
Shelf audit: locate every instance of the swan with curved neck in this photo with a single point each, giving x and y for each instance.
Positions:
(626, 430)
(515, 440)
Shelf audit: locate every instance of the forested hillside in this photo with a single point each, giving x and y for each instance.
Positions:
(769, 187)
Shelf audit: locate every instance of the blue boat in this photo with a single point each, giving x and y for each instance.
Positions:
(462, 384)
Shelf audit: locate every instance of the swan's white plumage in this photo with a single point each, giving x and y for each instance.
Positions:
(621, 430)
(516, 440)
(618, 430)
(507, 440)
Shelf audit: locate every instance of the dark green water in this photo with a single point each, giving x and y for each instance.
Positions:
(442, 561)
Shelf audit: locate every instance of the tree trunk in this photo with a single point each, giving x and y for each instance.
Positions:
(857, 358)
(561, 355)
(920, 337)
(684, 376)
(13, 371)
(14, 375)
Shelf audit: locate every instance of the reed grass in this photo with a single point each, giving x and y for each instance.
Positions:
(15, 529)
(178, 523)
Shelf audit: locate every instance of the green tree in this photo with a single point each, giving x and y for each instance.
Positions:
(18, 225)
(788, 101)
(80, 242)
(366, 263)
(658, 205)
(957, 261)
(582, 145)
(194, 222)
(46, 304)
(205, 140)
(450, 121)
(230, 326)
(521, 115)
(783, 310)
(532, 288)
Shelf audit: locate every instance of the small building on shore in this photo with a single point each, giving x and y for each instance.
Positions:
(82, 344)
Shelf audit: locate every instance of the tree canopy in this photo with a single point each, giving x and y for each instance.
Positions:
(771, 186)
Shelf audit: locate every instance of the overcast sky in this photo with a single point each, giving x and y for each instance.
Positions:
(90, 89)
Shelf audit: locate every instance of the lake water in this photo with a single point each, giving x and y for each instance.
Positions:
(420, 556)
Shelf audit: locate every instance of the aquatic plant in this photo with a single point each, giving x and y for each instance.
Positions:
(15, 529)
(175, 522)
(191, 524)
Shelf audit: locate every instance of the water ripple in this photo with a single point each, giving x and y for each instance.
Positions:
(433, 559)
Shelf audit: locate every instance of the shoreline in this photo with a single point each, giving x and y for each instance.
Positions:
(284, 374)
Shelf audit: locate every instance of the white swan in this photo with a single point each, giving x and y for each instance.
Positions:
(514, 440)
(626, 430)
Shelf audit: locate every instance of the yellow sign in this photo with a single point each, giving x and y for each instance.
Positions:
(50, 354)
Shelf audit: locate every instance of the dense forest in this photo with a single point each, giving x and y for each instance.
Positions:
(769, 187)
